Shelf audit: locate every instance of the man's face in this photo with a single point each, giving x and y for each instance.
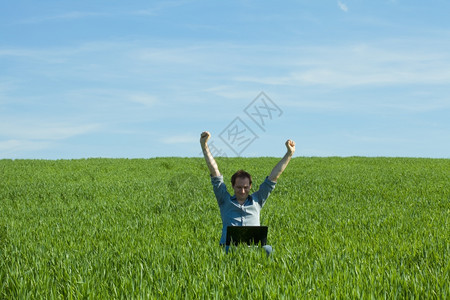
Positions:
(242, 188)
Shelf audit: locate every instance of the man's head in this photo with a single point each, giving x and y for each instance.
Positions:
(241, 182)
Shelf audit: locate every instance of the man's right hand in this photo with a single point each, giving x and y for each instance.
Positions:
(204, 137)
(210, 161)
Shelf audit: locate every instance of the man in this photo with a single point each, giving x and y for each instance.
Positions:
(242, 209)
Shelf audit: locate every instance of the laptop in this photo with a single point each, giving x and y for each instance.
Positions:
(246, 234)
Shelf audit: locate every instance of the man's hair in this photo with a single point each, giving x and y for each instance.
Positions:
(241, 174)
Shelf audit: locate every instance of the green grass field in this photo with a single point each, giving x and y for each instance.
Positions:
(149, 228)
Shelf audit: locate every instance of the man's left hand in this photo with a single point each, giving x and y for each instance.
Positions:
(290, 145)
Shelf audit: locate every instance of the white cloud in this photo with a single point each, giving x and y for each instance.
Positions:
(8, 147)
(361, 65)
(180, 139)
(155, 10)
(230, 92)
(419, 105)
(43, 130)
(159, 7)
(111, 98)
(16, 148)
(73, 15)
(144, 99)
(343, 6)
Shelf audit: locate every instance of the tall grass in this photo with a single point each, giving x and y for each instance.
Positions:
(149, 228)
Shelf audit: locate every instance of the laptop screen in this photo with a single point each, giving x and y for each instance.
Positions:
(246, 234)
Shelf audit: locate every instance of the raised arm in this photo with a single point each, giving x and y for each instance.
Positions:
(282, 164)
(210, 161)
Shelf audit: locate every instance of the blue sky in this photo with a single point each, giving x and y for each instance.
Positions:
(138, 79)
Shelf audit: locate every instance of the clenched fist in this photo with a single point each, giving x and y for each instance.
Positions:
(204, 137)
(290, 145)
